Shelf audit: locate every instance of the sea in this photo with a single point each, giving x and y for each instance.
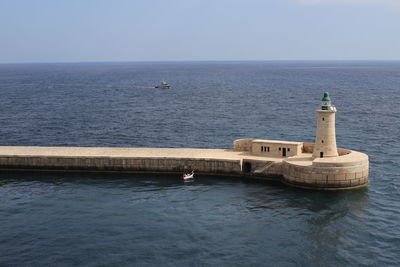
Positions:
(99, 219)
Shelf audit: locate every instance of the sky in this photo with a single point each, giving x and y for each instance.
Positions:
(180, 30)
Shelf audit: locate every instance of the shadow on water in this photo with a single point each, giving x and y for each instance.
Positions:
(60, 178)
(326, 206)
(126, 178)
(310, 200)
(272, 211)
(313, 200)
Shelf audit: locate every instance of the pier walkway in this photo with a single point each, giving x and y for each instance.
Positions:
(169, 160)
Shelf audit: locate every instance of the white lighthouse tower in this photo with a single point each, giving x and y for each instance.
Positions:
(325, 140)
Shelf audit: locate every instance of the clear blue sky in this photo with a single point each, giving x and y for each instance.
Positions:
(158, 30)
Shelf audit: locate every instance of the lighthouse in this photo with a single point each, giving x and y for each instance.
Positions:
(325, 139)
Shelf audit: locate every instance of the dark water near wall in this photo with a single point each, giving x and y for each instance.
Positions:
(112, 219)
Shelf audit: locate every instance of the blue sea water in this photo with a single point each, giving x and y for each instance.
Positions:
(61, 219)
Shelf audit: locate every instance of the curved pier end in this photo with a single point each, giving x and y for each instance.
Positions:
(346, 171)
(297, 165)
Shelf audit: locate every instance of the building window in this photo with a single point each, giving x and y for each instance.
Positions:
(323, 119)
(288, 149)
(322, 141)
(268, 148)
(279, 149)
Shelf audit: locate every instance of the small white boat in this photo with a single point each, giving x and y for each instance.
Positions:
(163, 85)
(188, 176)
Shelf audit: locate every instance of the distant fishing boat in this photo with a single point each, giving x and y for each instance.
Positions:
(163, 85)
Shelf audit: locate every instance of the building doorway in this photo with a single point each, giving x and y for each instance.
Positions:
(246, 167)
(321, 154)
(284, 152)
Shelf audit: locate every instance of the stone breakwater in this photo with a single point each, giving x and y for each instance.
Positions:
(348, 170)
(168, 160)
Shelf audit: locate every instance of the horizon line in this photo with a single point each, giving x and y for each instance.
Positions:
(202, 60)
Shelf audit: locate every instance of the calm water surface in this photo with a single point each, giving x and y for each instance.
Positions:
(119, 219)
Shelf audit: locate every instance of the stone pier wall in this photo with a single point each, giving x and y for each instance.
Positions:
(173, 165)
(350, 172)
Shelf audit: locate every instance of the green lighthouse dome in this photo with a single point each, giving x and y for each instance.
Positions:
(326, 102)
(326, 97)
